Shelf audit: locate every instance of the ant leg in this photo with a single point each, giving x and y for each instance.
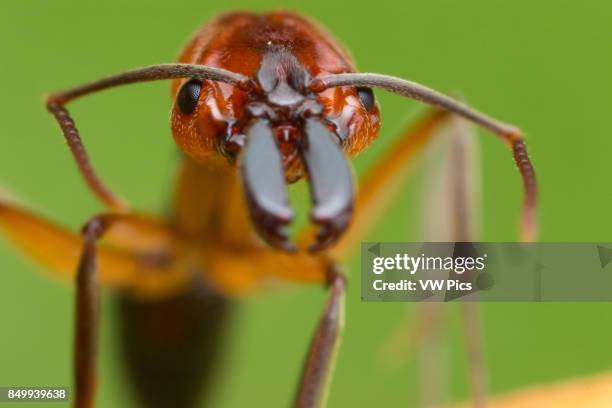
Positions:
(384, 179)
(451, 214)
(381, 183)
(87, 313)
(87, 319)
(317, 372)
(451, 188)
(450, 211)
(125, 261)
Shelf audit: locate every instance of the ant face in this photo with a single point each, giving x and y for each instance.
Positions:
(277, 132)
(211, 117)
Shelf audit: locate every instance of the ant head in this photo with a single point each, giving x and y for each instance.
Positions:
(212, 117)
(277, 129)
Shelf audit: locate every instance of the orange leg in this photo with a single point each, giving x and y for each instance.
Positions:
(138, 253)
(382, 182)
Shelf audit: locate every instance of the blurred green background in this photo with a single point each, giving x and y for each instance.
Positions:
(543, 65)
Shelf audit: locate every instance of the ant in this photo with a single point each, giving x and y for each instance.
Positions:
(260, 101)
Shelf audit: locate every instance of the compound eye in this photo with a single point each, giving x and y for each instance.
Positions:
(188, 96)
(366, 96)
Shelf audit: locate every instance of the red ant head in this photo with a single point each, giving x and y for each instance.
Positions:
(212, 117)
(277, 128)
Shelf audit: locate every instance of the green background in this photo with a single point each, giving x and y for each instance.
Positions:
(544, 65)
